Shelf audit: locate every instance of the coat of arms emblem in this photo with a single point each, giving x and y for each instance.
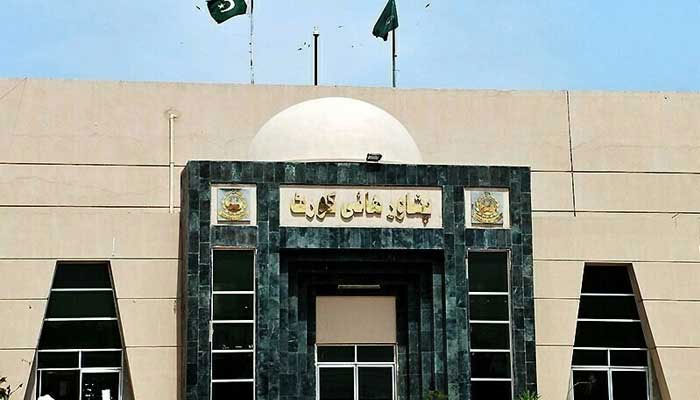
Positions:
(233, 205)
(486, 209)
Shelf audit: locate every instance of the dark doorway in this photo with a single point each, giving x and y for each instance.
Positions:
(414, 278)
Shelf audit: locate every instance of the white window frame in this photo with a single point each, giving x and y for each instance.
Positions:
(115, 318)
(610, 369)
(212, 351)
(356, 365)
(509, 350)
(607, 319)
(80, 369)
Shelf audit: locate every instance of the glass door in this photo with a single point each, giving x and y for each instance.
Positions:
(336, 383)
(100, 385)
(356, 372)
(60, 385)
(375, 383)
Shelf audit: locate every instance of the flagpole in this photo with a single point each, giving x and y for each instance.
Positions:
(316, 34)
(393, 58)
(250, 44)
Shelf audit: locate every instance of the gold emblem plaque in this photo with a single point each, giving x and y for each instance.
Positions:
(233, 205)
(487, 208)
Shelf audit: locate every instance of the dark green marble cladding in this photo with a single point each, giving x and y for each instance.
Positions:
(412, 276)
(432, 309)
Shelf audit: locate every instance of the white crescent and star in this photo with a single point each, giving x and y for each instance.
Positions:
(232, 5)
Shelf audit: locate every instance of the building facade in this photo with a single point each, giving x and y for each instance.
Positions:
(192, 241)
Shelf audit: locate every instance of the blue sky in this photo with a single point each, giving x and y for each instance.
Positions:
(499, 44)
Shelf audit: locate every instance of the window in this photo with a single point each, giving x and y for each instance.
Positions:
(489, 326)
(233, 325)
(610, 360)
(80, 349)
(356, 372)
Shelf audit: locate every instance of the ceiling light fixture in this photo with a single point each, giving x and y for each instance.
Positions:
(359, 287)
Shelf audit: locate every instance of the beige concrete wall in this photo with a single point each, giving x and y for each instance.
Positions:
(607, 236)
(87, 233)
(17, 365)
(154, 372)
(134, 279)
(69, 185)
(557, 291)
(126, 123)
(639, 132)
(83, 175)
(33, 283)
(681, 368)
(148, 304)
(646, 192)
(355, 319)
(668, 281)
(670, 295)
(636, 162)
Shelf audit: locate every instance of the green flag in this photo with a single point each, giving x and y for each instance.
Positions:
(221, 10)
(387, 22)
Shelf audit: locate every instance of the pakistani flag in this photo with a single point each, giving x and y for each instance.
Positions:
(387, 22)
(221, 10)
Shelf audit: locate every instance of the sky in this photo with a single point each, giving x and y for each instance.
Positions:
(470, 44)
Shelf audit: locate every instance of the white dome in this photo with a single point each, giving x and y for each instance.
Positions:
(333, 129)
